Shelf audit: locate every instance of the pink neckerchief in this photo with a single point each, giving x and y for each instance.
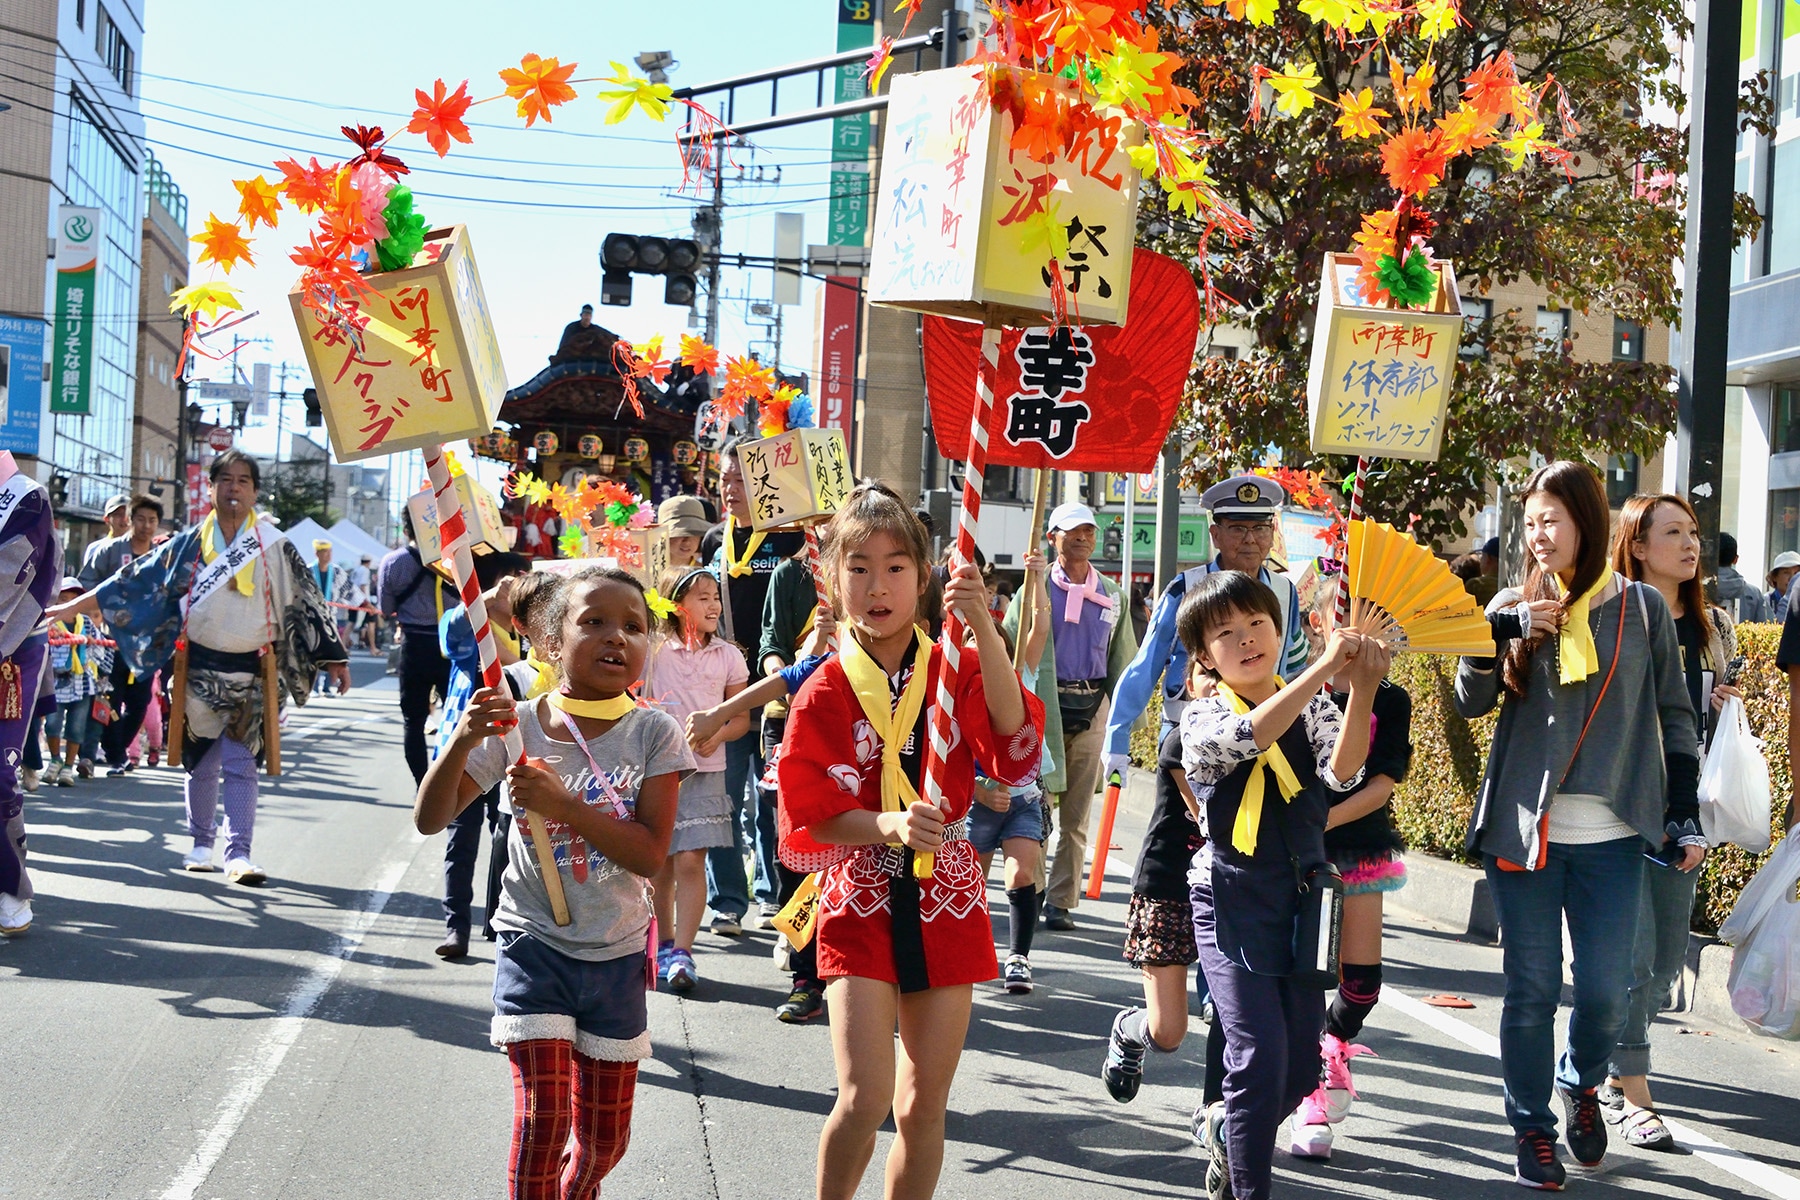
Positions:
(1077, 594)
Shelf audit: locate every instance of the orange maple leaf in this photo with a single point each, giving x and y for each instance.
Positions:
(307, 187)
(698, 356)
(1046, 123)
(1414, 92)
(258, 200)
(1489, 88)
(440, 117)
(745, 379)
(1414, 160)
(222, 242)
(539, 84)
(1466, 129)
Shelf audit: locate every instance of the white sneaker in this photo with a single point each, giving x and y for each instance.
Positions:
(1312, 1128)
(242, 870)
(29, 778)
(15, 915)
(199, 859)
(65, 776)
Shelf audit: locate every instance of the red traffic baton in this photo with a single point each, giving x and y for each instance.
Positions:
(1097, 874)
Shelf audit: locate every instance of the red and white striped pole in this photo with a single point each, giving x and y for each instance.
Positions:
(937, 750)
(453, 537)
(816, 564)
(1356, 512)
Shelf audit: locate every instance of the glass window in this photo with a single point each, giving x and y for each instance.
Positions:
(1621, 478)
(94, 449)
(1784, 521)
(1553, 327)
(1628, 341)
(1782, 231)
(1477, 312)
(1784, 422)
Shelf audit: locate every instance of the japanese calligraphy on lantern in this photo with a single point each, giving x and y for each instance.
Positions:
(414, 362)
(959, 222)
(481, 517)
(1380, 378)
(796, 478)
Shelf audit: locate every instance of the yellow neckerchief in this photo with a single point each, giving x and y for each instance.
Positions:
(76, 665)
(812, 619)
(1249, 813)
(599, 710)
(546, 675)
(1575, 644)
(892, 724)
(209, 533)
(739, 567)
(505, 638)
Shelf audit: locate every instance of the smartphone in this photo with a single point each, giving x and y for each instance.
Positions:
(1668, 856)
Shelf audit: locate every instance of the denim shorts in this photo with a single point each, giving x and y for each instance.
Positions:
(598, 1006)
(987, 828)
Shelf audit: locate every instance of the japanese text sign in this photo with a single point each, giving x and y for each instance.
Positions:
(958, 218)
(77, 273)
(481, 516)
(1380, 378)
(1079, 398)
(796, 478)
(417, 363)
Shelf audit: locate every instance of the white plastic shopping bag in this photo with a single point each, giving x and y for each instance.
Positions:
(1734, 784)
(1764, 931)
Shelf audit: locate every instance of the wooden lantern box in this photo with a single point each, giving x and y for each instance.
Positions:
(951, 217)
(652, 544)
(801, 477)
(429, 368)
(481, 514)
(1380, 379)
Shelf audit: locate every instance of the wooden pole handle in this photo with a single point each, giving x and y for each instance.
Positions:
(271, 690)
(177, 707)
(1028, 593)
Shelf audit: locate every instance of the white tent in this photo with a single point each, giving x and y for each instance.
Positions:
(346, 549)
(348, 534)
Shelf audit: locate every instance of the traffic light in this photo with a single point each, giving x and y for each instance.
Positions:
(623, 255)
(314, 415)
(1114, 542)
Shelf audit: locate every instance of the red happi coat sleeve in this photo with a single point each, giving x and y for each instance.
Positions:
(828, 766)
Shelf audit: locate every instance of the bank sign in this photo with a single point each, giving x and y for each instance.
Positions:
(21, 383)
(77, 263)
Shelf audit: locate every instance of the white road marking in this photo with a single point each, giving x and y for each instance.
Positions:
(284, 1030)
(1753, 1172)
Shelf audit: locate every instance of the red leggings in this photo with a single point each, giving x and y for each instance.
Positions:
(571, 1120)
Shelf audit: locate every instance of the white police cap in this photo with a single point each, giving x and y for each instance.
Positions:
(1244, 496)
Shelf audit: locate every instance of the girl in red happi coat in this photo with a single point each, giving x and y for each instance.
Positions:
(902, 922)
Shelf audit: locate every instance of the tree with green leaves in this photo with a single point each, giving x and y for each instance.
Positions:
(1601, 230)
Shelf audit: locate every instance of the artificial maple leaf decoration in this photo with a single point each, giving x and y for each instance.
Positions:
(440, 117)
(258, 200)
(697, 356)
(1414, 160)
(307, 188)
(633, 92)
(1414, 92)
(206, 299)
(1466, 129)
(1359, 118)
(222, 242)
(539, 85)
(1489, 89)
(369, 140)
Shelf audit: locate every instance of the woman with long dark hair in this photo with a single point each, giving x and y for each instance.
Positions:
(1593, 765)
(1658, 543)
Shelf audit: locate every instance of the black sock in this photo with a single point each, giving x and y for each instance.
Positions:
(1022, 902)
(1358, 990)
(1212, 1089)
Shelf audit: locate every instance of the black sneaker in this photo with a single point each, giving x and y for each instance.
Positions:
(1058, 919)
(1209, 1124)
(1585, 1131)
(1123, 1070)
(805, 1002)
(1538, 1167)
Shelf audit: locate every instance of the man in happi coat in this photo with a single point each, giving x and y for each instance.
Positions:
(234, 588)
(30, 562)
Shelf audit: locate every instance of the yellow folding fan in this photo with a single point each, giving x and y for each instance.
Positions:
(1404, 595)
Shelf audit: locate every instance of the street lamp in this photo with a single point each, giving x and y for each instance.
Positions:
(656, 64)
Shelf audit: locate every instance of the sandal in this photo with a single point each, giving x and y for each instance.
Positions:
(1644, 1129)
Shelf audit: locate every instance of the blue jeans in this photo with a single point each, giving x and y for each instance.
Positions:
(1664, 915)
(1598, 888)
(727, 887)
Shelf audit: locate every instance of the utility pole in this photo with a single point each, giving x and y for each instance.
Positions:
(714, 231)
(1706, 290)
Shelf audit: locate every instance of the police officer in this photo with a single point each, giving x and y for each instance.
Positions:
(1244, 511)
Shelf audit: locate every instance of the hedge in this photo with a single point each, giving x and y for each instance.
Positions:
(1432, 807)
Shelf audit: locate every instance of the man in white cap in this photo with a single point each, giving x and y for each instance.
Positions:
(685, 518)
(1244, 511)
(1090, 643)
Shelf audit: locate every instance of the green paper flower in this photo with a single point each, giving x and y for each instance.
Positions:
(406, 230)
(1411, 284)
(619, 514)
(571, 541)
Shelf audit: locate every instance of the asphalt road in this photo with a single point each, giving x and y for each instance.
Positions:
(171, 1035)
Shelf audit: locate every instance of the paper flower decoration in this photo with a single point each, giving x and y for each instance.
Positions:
(405, 230)
(1411, 283)
(660, 608)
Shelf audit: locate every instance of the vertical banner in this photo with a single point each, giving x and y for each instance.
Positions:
(77, 262)
(851, 136)
(839, 302)
(21, 383)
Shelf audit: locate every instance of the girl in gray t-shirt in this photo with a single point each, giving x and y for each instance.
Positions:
(598, 780)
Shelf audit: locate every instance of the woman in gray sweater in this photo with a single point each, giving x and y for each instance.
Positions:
(1593, 766)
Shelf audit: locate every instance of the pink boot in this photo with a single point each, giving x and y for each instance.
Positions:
(1339, 1090)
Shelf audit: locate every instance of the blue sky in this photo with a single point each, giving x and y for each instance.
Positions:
(306, 68)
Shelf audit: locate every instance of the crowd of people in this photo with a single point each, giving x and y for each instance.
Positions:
(728, 744)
